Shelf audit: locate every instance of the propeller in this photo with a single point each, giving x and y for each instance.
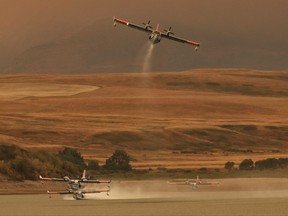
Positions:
(168, 32)
(147, 25)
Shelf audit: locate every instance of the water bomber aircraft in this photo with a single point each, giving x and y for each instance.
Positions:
(195, 183)
(155, 35)
(77, 186)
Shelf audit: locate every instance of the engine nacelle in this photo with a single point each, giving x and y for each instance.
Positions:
(168, 32)
(66, 178)
(147, 25)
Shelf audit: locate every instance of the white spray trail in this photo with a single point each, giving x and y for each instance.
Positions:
(147, 59)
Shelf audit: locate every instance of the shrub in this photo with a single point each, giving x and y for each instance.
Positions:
(70, 169)
(9, 152)
(120, 160)
(24, 167)
(270, 163)
(93, 165)
(73, 156)
(19, 164)
(246, 164)
(229, 165)
(283, 162)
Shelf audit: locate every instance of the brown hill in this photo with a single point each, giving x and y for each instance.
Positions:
(198, 118)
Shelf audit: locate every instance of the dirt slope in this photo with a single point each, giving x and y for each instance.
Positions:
(199, 118)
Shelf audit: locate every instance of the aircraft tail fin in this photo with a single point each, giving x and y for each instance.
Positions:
(83, 174)
(114, 21)
(198, 179)
(157, 28)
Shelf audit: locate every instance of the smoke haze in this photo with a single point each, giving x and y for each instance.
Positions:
(77, 36)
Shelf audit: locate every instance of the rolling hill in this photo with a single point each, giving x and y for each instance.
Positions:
(191, 119)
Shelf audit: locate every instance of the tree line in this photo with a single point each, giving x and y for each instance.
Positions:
(249, 164)
(19, 164)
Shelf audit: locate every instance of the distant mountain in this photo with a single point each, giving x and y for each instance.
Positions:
(232, 35)
(102, 48)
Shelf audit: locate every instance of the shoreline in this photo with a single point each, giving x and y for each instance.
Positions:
(229, 184)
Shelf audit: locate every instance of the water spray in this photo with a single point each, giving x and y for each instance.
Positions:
(147, 58)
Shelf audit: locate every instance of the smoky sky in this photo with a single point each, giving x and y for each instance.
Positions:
(232, 33)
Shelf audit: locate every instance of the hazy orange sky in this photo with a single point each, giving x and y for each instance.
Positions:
(233, 33)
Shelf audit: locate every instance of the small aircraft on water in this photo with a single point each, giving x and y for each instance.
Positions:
(195, 183)
(76, 186)
(155, 35)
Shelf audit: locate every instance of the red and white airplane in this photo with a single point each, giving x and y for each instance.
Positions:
(155, 35)
(195, 183)
(76, 186)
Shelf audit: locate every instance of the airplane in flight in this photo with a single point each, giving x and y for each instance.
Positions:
(77, 186)
(195, 183)
(155, 35)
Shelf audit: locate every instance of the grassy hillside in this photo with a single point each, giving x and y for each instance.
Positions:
(198, 118)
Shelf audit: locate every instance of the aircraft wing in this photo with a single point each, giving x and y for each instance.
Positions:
(59, 192)
(51, 179)
(178, 182)
(209, 183)
(96, 181)
(96, 191)
(135, 26)
(178, 39)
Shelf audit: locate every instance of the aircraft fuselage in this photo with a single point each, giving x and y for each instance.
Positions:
(155, 37)
(75, 185)
(78, 196)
